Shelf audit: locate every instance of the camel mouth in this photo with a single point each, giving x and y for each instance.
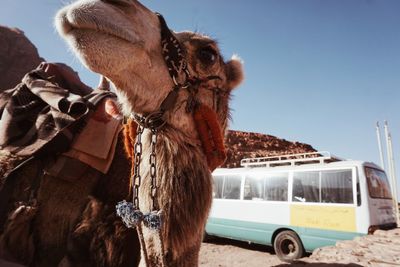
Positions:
(71, 22)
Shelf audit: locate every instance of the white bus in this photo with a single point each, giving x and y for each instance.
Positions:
(300, 202)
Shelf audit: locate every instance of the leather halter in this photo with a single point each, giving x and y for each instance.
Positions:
(174, 57)
(205, 118)
(176, 63)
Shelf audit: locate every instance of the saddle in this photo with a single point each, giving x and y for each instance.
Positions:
(52, 126)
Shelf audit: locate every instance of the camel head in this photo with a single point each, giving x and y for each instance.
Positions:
(121, 39)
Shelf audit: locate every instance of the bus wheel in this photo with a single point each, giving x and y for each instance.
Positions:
(207, 237)
(288, 246)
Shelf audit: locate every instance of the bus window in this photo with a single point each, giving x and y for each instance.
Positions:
(337, 186)
(218, 181)
(253, 187)
(276, 187)
(378, 184)
(232, 187)
(306, 187)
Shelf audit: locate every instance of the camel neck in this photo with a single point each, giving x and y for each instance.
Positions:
(185, 187)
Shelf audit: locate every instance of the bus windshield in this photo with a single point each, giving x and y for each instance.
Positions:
(378, 184)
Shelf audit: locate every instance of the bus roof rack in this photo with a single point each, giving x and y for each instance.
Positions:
(290, 159)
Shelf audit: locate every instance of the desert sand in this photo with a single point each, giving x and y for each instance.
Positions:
(229, 253)
(382, 249)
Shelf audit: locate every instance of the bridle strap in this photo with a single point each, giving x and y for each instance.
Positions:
(172, 51)
(205, 118)
(176, 63)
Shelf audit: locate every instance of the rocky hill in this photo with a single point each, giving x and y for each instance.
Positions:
(248, 145)
(17, 56)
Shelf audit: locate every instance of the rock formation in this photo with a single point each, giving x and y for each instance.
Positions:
(248, 145)
(17, 56)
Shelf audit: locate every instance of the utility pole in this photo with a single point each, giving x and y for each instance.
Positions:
(391, 170)
(378, 136)
(394, 179)
(389, 167)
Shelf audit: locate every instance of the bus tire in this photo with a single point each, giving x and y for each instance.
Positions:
(288, 246)
(207, 237)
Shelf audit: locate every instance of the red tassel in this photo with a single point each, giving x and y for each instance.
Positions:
(130, 131)
(211, 136)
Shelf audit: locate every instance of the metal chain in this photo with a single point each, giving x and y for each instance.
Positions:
(137, 179)
(153, 168)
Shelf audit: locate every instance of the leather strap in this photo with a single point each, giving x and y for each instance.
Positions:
(172, 51)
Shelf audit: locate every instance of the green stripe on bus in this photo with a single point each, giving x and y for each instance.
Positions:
(261, 233)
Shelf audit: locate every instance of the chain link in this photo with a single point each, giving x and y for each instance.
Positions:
(137, 179)
(153, 168)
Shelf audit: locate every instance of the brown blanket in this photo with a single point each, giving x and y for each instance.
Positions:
(42, 107)
(39, 117)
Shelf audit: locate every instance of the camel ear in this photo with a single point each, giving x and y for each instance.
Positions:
(234, 72)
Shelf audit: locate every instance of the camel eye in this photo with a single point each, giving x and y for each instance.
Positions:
(207, 55)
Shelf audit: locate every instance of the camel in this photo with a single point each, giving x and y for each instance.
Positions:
(122, 40)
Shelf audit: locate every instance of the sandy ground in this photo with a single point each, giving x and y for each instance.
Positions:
(228, 253)
(382, 249)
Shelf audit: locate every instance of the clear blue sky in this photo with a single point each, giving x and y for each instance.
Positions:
(320, 72)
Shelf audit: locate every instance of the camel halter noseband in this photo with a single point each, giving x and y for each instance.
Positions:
(206, 122)
(205, 118)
